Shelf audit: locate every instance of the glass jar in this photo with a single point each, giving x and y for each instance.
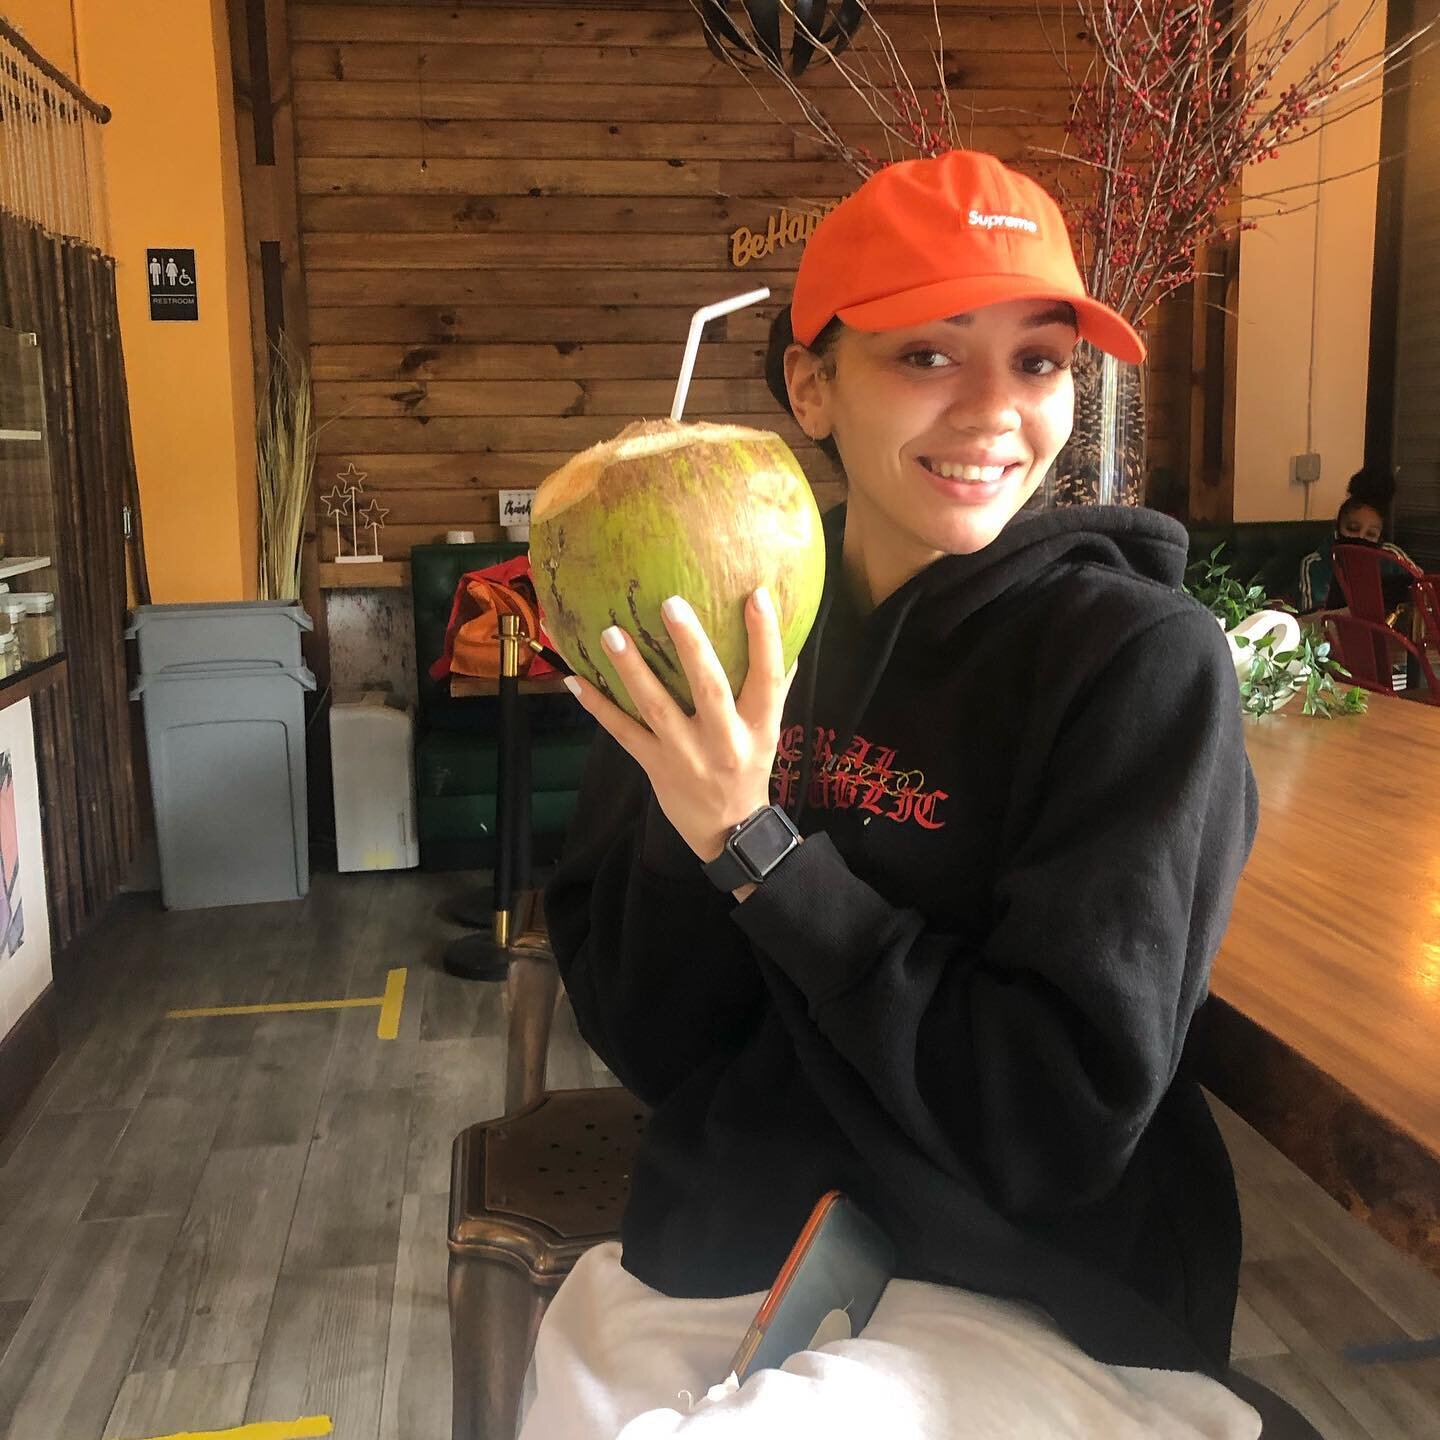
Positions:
(1104, 461)
(12, 613)
(39, 631)
(9, 653)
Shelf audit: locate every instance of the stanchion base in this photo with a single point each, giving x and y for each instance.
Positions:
(474, 909)
(477, 957)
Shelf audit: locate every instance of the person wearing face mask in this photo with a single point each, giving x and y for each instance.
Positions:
(1361, 521)
(1005, 803)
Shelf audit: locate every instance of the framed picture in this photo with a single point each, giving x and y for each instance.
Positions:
(24, 917)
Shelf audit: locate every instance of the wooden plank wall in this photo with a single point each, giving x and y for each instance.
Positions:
(509, 212)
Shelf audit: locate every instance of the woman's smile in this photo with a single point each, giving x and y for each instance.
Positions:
(970, 484)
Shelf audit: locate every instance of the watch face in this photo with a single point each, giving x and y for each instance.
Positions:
(764, 842)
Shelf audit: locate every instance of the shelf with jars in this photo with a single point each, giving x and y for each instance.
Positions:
(29, 583)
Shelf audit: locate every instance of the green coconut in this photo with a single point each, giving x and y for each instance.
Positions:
(707, 512)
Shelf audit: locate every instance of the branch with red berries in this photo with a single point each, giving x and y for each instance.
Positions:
(1173, 104)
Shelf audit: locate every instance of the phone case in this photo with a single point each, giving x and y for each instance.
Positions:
(827, 1288)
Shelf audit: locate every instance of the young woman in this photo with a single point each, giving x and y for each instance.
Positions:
(1014, 761)
(1361, 521)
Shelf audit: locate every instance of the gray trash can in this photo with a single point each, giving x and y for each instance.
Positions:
(223, 691)
(239, 634)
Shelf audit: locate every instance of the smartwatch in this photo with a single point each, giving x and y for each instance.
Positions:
(753, 849)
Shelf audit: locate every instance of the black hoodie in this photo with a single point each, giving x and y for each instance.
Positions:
(964, 999)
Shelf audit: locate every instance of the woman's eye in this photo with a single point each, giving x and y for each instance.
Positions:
(1043, 365)
(925, 359)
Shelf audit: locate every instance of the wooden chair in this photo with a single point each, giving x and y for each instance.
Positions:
(529, 1194)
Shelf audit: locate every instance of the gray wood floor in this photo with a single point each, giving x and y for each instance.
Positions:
(214, 1221)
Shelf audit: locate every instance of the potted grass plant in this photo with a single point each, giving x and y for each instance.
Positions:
(286, 436)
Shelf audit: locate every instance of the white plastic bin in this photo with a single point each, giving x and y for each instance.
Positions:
(372, 758)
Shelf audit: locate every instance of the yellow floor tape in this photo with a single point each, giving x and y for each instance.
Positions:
(302, 1429)
(389, 1004)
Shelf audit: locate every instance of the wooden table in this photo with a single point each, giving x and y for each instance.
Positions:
(1324, 1029)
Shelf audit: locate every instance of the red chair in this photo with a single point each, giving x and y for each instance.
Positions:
(1425, 595)
(1369, 650)
(1361, 571)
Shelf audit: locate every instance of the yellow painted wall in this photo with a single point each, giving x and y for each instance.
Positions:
(172, 179)
(1319, 259)
(48, 26)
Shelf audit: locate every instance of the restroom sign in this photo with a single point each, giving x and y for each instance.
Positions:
(171, 274)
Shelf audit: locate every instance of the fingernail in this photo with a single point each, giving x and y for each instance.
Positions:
(613, 640)
(675, 610)
(762, 599)
(573, 686)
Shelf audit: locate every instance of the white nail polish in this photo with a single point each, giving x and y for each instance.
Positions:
(614, 640)
(573, 686)
(675, 610)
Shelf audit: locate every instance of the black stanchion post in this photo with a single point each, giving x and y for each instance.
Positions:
(486, 957)
(506, 808)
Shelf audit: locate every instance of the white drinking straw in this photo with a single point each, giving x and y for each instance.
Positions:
(692, 341)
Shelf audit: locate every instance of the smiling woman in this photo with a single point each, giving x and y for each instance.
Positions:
(945, 430)
(950, 968)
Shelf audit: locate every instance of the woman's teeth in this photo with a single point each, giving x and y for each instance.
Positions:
(982, 474)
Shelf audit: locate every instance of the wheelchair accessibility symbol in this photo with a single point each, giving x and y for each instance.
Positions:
(171, 273)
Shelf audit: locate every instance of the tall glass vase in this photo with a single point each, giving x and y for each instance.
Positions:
(1103, 463)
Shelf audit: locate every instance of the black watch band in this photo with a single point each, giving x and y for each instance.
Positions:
(753, 849)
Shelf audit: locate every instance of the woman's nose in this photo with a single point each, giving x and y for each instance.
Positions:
(985, 402)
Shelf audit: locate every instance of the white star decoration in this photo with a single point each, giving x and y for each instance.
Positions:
(337, 503)
(351, 478)
(372, 515)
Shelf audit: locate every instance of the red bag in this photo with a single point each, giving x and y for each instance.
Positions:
(472, 637)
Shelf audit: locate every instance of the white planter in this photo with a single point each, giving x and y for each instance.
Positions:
(1254, 628)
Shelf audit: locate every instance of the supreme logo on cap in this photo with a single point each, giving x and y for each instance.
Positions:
(981, 221)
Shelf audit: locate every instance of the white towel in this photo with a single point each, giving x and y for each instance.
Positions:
(616, 1360)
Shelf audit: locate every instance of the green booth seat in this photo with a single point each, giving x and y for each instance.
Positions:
(456, 741)
(463, 763)
(457, 832)
(1267, 551)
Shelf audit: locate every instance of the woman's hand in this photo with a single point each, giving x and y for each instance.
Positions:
(711, 770)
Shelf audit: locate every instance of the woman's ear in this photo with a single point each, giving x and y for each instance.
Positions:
(807, 379)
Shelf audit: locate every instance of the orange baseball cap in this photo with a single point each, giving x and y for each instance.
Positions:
(922, 240)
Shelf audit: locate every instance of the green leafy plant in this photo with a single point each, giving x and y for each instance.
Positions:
(1307, 668)
(1275, 675)
(1212, 584)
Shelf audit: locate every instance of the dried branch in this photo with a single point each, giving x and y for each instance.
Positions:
(1171, 105)
(907, 124)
